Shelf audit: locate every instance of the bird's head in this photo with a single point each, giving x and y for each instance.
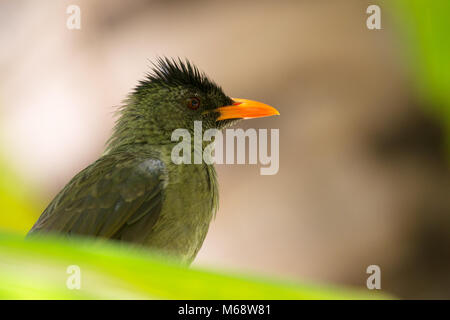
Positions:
(174, 95)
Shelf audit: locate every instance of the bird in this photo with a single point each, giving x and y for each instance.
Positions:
(134, 192)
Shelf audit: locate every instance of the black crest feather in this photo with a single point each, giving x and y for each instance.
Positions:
(178, 72)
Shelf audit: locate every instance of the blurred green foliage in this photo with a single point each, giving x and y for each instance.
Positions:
(426, 27)
(37, 269)
(18, 206)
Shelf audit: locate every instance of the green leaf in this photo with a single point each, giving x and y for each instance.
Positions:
(18, 207)
(37, 269)
(425, 26)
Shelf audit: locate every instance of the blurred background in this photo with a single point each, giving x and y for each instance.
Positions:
(364, 166)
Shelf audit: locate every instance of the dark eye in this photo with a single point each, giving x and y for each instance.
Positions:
(193, 103)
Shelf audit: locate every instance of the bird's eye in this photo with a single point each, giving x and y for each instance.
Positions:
(193, 103)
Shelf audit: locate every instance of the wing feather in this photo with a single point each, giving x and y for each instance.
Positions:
(119, 196)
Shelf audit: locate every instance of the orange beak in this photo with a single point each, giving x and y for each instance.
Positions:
(246, 109)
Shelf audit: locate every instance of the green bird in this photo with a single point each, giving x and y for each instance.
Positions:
(135, 192)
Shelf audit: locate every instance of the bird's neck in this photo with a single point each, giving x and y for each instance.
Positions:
(132, 129)
(126, 139)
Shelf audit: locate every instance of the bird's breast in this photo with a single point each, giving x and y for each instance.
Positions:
(190, 200)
